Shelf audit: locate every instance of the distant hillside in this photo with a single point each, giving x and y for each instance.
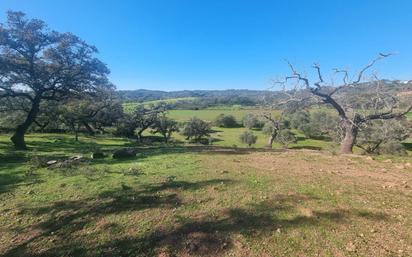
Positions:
(144, 95)
(199, 99)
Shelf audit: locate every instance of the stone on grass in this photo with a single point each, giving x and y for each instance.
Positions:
(51, 162)
(124, 153)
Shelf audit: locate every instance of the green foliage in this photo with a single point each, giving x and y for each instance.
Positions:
(225, 121)
(269, 128)
(142, 118)
(39, 64)
(165, 126)
(248, 138)
(251, 120)
(196, 129)
(286, 137)
(393, 148)
(384, 136)
(299, 119)
(321, 124)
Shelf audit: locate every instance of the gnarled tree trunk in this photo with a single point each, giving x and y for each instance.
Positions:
(18, 136)
(270, 141)
(351, 132)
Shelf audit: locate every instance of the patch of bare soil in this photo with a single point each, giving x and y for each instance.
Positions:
(343, 168)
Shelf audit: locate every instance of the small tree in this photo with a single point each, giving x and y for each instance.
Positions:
(141, 118)
(251, 120)
(87, 110)
(248, 138)
(165, 126)
(226, 121)
(197, 129)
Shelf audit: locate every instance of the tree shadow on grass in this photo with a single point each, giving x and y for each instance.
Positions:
(208, 235)
(65, 218)
(308, 147)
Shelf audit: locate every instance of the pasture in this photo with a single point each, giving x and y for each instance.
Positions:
(187, 200)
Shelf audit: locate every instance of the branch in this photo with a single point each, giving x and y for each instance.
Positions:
(369, 65)
(387, 115)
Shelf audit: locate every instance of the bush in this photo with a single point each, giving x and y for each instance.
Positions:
(286, 137)
(248, 138)
(321, 124)
(196, 129)
(311, 130)
(226, 121)
(384, 136)
(393, 147)
(251, 120)
(299, 119)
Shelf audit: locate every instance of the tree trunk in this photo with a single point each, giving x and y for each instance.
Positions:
(76, 132)
(351, 132)
(139, 136)
(18, 136)
(270, 141)
(88, 128)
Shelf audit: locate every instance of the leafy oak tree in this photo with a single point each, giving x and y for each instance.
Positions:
(38, 64)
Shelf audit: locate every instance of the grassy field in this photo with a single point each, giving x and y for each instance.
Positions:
(131, 105)
(210, 114)
(201, 201)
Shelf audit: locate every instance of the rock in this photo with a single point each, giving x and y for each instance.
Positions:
(369, 158)
(387, 161)
(97, 155)
(51, 162)
(124, 153)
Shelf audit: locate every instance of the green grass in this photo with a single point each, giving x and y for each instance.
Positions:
(131, 105)
(195, 201)
(211, 114)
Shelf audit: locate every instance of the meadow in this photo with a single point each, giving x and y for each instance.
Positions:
(189, 200)
(184, 199)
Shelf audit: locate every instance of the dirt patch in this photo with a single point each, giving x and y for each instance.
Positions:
(345, 169)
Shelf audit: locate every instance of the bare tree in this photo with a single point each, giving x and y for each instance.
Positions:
(383, 106)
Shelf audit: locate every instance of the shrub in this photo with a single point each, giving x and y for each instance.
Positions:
(299, 119)
(384, 136)
(286, 137)
(393, 147)
(226, 121)
(248, 138)
(251, 120)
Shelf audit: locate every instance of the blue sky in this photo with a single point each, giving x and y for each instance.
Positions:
(220, 44)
